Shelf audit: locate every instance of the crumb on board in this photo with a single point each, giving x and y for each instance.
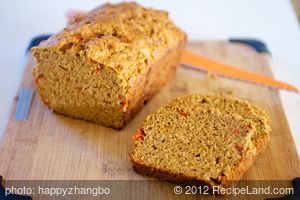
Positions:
(212, 76)
(225, 92)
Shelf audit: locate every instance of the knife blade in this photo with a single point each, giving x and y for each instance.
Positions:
(201, 62)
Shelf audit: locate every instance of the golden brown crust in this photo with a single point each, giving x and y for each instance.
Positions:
(262, 138)
(149, 34)
(157, 76)
(167, 175)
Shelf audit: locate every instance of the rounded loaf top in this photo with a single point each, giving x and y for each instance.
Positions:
(123, 36)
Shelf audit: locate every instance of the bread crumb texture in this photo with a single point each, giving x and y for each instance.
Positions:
(105, 64)
(207, 139)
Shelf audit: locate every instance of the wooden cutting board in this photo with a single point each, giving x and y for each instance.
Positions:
(51, 146)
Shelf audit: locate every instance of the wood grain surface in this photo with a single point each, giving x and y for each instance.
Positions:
(51, 146)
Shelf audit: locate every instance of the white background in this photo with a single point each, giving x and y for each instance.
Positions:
(272, 21)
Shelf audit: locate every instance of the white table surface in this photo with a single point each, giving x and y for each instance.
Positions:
(272, 21)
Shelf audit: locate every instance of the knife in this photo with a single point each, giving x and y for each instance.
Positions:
(193, 60)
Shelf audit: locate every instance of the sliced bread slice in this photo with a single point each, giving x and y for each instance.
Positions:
(195, 139)
(205, 139)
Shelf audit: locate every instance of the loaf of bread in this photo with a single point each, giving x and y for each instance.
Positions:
(106, 64)
(201, 139)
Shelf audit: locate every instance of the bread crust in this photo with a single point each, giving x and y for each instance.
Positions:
(159, 73)
(183, 179)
